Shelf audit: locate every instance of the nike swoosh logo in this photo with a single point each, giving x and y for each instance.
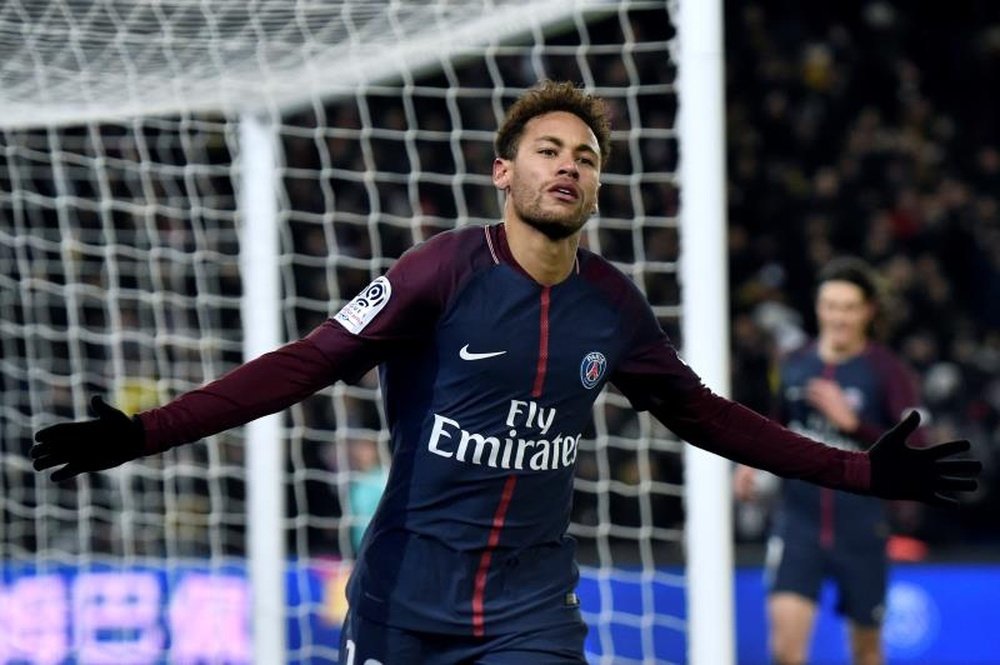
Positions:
(465, 354)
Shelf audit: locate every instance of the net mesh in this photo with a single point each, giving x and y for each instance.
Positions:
(120, 242)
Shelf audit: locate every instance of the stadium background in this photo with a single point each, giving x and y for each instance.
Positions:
(866, 128)
(862, 127)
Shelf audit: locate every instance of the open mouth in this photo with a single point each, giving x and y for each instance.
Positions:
(565, 193)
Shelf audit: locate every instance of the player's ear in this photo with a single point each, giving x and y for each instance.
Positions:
(501, 173)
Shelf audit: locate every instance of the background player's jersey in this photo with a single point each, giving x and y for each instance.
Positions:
(488, 380)
(880, 390)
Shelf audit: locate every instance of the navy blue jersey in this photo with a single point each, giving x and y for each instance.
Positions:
(486, 407)
(880, 390)
(488, 379)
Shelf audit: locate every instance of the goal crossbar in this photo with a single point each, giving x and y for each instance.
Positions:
(84, 61)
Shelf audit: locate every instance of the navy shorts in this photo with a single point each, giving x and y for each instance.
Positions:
(861, 577)
(364, 642)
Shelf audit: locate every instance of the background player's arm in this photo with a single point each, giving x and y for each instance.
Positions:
(745, 483)
(827, 397)
(900, 393)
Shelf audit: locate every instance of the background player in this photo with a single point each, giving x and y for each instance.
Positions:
(844, 389)
(493, 344)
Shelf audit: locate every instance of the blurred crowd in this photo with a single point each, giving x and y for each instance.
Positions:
(869, 129)
(862, 128)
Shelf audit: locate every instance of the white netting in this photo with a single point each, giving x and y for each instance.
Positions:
(119, 245)
(67, 61)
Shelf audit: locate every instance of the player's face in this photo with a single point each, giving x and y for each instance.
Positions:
(843, 315)
(553, 179)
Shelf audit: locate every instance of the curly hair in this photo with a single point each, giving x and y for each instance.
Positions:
(546, 97)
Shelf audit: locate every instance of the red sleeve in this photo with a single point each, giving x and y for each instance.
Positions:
(395, 310)
(654, 378)
(675, 395)
(262, 386)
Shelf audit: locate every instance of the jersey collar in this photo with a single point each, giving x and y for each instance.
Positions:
(496, 240)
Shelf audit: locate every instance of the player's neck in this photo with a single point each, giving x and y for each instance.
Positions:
(835, 354)
(547, 261)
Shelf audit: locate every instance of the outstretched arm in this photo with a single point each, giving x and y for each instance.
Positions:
(658, 381)
(65, 445)
(262, 386)
(265, 385)
(930, 474)
(397, 309)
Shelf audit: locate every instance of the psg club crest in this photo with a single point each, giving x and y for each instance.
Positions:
(592, 369)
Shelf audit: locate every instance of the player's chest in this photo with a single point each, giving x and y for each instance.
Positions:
(858, 384)
(529, 341)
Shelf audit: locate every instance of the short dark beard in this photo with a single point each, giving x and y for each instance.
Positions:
(551, 230)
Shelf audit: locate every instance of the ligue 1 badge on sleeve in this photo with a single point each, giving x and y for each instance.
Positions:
(592, 369)
(359, 312)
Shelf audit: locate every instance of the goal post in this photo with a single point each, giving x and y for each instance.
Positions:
(185, 185)
(260, 255)
(701, 122)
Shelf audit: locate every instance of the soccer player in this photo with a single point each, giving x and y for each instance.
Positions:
(492, 345)
(843, 389)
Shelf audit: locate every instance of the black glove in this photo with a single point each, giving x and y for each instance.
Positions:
(89, 445)
(921, 474)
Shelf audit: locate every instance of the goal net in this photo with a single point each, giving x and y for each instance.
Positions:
(124, 274)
